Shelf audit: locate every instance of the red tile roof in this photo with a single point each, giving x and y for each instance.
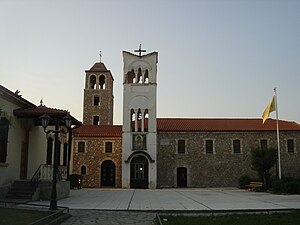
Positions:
(213, 125)
(37, 111)
(192, 125)
(98, 131)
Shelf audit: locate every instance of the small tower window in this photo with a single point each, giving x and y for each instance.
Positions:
(93, 82)
(102, 82)
(96, 120)
(96, 100)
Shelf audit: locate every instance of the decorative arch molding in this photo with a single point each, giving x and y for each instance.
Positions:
(139, 102)
(107, 159)
(135, 65)
(140, 153)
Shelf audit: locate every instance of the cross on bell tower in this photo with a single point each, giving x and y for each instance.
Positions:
(140, 50)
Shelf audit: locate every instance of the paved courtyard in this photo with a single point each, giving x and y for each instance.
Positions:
(128, 206)
(176, 200)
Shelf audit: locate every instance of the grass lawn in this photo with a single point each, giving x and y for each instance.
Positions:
(11, 216)
(242, 219)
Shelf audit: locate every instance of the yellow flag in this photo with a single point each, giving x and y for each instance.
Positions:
(270, 108)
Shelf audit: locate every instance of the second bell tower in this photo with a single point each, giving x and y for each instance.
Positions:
(139, 120)
(98, 99)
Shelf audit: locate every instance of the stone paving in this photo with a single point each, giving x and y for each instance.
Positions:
(96, 217)
(129, 206)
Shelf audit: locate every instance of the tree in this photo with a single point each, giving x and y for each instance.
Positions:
(262, 161)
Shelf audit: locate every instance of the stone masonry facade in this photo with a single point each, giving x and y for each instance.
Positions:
(94, 156)
(104, 110)
(223, 167)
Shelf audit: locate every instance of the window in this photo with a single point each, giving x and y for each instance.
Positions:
(264, 144)
(65, 154)
(209, 146)
(83, 170)
(93, 82)
(96, 101)
(236, 146)
(290, 145)
(96, 120)
(108, 147)
(102, 82)
(81, 146)
(181, 147)
(4, 124)
(49, 151)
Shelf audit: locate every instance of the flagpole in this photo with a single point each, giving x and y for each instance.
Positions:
(278, 140)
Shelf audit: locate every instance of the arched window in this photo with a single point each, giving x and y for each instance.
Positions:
(146, 77)
(132, 119)
(130, 77)
(83, 170)
(139, 76)
(102, 82)
(93, 82)
(146, 120)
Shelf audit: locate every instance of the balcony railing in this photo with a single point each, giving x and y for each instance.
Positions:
(45, 172)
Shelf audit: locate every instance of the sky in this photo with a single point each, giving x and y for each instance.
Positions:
(216, 58)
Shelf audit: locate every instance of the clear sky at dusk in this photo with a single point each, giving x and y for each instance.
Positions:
(217, 59)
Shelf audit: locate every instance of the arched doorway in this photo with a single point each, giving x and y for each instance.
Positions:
(139, 172)
(181, 177)
(108, 173)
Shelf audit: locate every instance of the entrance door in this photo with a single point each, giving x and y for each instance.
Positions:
(181, 177)
(108, 173)
(139, 172)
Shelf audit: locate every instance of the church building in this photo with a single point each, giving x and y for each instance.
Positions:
(151, 152)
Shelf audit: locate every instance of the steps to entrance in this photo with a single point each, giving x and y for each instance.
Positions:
(21, 189)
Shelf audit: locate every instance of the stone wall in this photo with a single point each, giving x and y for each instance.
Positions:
(104, 110)
(223, 167)
(94, 156)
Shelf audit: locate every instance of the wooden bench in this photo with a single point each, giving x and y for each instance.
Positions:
(254, 186)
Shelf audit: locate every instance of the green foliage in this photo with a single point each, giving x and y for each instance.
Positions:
(286, 185)
(262, 161)
(243, 181)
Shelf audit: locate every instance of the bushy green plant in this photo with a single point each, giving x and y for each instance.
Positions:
(286, 185)
(243, 181)
(262, 161)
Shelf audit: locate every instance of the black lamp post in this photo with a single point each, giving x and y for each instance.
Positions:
(45, 121)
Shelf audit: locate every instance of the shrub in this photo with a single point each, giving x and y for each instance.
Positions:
(276, 185)
(243, 181)
(292, 187)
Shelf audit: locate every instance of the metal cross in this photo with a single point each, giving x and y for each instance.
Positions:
(100, 56)
(140, 50)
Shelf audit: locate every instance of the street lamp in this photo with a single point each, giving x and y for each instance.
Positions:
(45, 121)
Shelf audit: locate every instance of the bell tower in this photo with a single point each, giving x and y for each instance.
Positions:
(139, 120)
(98, 99)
